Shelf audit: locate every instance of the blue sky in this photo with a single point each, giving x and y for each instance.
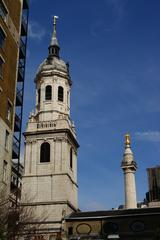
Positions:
(113, 47)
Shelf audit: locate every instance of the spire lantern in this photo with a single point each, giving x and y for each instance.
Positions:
(54, 46)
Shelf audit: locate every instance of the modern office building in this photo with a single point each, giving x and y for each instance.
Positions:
(153, 195)
(13, 40)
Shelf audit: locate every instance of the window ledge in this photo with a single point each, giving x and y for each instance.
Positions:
(42, 163)
(47, 101)
(60, 103)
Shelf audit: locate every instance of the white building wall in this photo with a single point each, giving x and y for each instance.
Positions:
(50, 183)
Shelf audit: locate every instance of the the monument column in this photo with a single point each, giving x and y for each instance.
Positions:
(129, 167)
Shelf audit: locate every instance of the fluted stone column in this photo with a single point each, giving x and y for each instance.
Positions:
(129, 167)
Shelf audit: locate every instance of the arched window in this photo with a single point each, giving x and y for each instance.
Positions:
(45, 152)
(48, 95)
(39, 95)
(71, 158)
(60, 93)
(67, 98)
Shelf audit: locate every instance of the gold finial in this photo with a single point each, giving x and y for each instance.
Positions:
(127, 139)
(54, 22)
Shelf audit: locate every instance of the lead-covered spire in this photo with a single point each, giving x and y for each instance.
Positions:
(54, 46)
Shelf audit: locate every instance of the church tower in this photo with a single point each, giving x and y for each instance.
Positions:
(129, 167)
(50, 172)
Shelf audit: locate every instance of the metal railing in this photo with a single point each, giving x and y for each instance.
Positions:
(24, 26)
(21, 73)
(25, 4)
(19, 97)
(21, 67)
(15, 147)
(17, 122)
(22, 48)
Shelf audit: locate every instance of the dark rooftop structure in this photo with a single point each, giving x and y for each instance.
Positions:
(127, 224)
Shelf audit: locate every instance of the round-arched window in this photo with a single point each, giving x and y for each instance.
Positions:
(60, 93)
(45, 152)
(39, 95)
(48, 93)
(71, 158)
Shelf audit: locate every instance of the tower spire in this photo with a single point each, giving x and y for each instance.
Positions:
(129, 167)
(54, 23)
(54, 46)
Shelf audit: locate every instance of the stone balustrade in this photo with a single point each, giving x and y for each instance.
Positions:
(46, 124)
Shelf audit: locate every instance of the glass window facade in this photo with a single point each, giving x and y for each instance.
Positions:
(2, 37)
(3, 11)
(1, 67)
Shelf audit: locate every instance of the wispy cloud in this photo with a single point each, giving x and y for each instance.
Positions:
(149, 136)
(35, 31)
(94, 206)
(152, 105)
(98, 28)
(117, 9)
(95, 122)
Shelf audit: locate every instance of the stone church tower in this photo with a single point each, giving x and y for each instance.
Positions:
(50, 172)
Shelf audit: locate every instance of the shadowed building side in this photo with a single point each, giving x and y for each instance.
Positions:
(13, 35)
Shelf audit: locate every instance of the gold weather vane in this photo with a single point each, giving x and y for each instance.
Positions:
(54, 22)
(127, 139)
